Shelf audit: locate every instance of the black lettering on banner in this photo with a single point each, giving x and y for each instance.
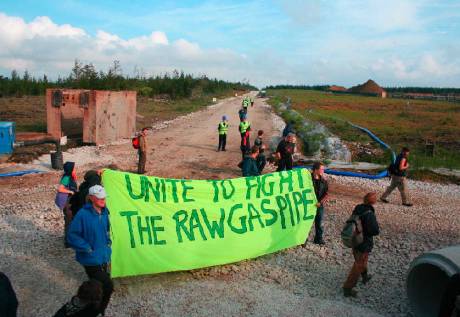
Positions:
(128, 215)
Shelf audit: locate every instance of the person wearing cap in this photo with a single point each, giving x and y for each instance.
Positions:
(89, 235)
(285, 151)
(222, 128)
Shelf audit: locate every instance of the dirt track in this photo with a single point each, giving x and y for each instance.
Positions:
(292, 282)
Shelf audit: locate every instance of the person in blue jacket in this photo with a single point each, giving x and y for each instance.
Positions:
(89, 235)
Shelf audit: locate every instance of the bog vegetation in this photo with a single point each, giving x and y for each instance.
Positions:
(429, 128)
(85, 76)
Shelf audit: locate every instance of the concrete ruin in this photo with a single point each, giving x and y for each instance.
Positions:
(98, 116)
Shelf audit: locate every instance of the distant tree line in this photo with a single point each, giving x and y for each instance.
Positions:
(431, 90)
(300, 87)
(85, 76)
(425, 90)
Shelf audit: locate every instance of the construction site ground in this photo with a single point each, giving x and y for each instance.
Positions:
(298, 281)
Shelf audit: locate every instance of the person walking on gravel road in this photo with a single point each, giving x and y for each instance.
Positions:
(398, 174)
(370, 228)
(89, 235)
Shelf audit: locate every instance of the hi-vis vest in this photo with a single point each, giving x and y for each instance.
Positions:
(246, 102)
(223, 127)
(244, 126)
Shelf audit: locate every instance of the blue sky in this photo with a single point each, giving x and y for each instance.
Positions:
(396, 43)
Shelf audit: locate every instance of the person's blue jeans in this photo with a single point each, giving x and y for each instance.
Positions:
(319, 230)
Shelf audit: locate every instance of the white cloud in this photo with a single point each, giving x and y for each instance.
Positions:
(42, 46)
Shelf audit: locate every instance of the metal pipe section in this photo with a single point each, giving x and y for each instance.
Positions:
(428, 278)
(56, 157)
(52, 140)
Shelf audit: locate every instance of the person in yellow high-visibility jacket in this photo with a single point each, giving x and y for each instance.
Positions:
(245, 128)
(222, 128)
(246, 102)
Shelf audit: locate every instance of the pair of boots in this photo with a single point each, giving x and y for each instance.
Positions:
(350, 292)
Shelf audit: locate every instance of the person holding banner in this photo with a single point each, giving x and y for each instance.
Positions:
(250, 167)
(321, 191)
(89, 235)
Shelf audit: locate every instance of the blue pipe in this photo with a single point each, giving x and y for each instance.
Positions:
(329, 171)
(20, 173)
(376, 139)
(380, 175)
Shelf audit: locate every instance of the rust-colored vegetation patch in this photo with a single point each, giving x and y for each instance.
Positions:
(399, 122)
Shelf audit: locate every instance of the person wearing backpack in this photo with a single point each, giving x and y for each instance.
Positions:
(142, 151)
(398, 174)
(370, 228)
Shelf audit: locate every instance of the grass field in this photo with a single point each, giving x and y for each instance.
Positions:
(398, 122)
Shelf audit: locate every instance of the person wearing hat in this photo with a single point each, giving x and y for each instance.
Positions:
(89, 235)
(67, 187)
(222, 128)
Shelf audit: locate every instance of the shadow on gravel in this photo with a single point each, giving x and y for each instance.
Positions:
(38, 265)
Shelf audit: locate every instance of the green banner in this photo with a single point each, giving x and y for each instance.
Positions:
(160, 225)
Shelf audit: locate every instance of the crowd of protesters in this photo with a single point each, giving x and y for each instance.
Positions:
(87, 224)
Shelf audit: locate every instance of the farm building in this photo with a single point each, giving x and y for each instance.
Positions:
(335, 88)
(370, 88)
(98, 116)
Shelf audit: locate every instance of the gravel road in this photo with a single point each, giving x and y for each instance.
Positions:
(299, 281)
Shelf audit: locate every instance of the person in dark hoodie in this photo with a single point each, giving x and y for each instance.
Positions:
(366, 213)
(67, 187)
(86, 303)
(8, 299)
(249, 165)
(89, 235)
(78, 200)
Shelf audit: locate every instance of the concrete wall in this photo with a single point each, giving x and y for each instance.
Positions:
(111, 116)
(68, 118)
